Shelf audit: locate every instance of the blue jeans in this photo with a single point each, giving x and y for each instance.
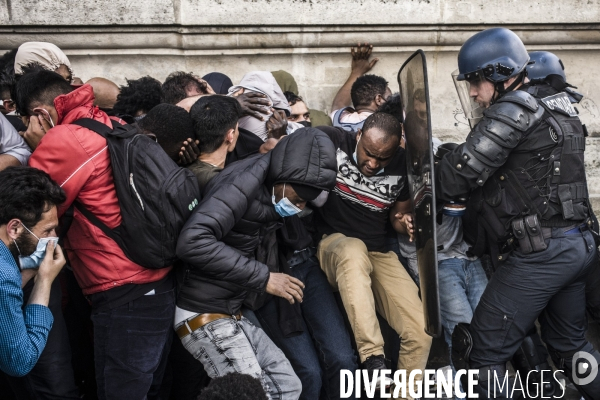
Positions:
(461, 284)
(324, 348)
(131, 346)
(227, 345)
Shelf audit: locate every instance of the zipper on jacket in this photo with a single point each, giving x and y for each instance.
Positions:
(135, 190)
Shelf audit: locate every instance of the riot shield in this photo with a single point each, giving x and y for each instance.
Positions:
(412, 79)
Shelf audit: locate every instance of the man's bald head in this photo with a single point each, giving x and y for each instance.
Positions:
(105, 92)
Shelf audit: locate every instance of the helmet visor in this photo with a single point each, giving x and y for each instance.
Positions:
(473, 111)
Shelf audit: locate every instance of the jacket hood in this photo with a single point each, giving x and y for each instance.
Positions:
(307, 157)
(83, 96)
(286, 81)
(263, 82)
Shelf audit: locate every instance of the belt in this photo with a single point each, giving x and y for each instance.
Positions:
(578, 229)
(199, 321)
(546, 232)
(571, 230)
(301, 256)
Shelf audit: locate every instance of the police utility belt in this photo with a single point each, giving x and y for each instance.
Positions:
(530, 236)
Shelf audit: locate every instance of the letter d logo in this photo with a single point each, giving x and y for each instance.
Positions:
(584, 368)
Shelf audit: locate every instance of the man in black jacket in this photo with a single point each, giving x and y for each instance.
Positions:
(218, 244)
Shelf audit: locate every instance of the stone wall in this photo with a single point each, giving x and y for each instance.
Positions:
(121, 39)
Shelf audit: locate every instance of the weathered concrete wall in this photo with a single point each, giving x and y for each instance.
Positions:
(295, 12)
(121, 39)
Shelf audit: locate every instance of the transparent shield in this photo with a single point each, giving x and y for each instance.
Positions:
(412, 79)
(473, 111)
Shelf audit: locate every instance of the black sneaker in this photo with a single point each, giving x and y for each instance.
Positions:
(377, 362)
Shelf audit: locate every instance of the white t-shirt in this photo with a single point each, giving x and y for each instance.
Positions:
(12, 143)
(182, 315)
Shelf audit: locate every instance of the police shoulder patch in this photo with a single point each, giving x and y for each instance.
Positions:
(560, 102)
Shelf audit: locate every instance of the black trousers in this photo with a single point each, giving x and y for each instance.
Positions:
(131, 347)
(593, 293)
(550, 285)
(52, 377)
(79, 325)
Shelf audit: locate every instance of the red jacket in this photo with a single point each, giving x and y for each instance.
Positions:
(78, 160)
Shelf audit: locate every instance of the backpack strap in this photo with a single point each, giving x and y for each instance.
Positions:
(95, 221)
(104, 131)
(117, 130)
(65, 223)
(67, 220)
(95, 126)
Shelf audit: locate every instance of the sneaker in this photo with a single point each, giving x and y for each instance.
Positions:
(377, 362)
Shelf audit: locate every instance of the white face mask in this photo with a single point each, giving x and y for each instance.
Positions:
(35, 259)
(47, 117)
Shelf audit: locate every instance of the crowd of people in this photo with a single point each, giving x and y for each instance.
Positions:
(196, 239)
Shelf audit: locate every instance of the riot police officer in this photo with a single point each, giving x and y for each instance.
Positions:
(549, 69)
(543, 64)
(546, 68)
(522, 166)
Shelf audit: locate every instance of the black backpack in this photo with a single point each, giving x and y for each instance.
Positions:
(156, 196)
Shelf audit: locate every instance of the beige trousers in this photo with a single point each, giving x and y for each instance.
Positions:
(370, 281)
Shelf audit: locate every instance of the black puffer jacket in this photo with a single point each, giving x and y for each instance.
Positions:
(218, 241)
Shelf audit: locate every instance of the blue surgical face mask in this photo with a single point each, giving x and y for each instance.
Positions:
(35, 259)
(285, 207)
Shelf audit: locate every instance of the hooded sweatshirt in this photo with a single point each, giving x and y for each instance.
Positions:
(261, 82)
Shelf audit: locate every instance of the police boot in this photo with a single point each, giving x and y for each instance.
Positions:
(494, 382)
(581, 367)
(462, 344)
(532, 356)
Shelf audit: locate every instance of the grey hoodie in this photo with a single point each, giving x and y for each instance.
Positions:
(261, 82)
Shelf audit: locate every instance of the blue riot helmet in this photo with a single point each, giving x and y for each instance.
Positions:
(497, 54)
(545, 63)
(550, 69)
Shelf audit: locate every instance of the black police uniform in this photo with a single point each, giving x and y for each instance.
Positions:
(523, 167)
